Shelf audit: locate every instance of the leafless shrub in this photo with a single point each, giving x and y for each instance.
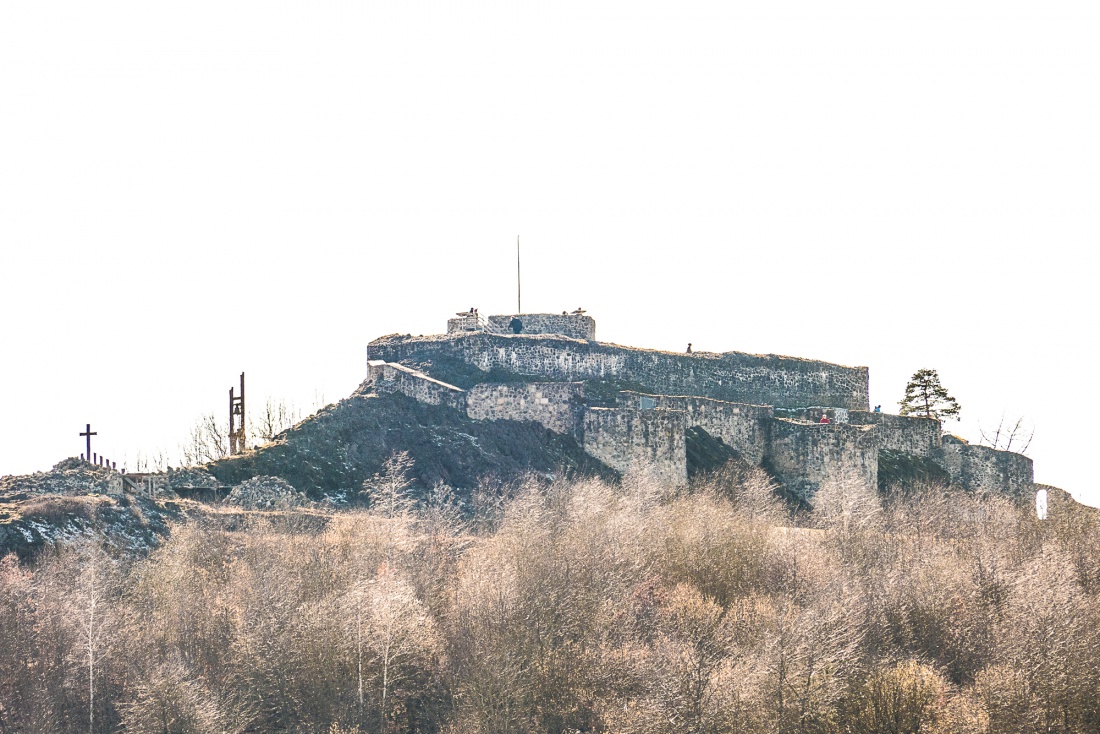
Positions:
(1011, 436)
(571, 606)
(846, 504)
(208, 441)
(388, 491)
(274, 417)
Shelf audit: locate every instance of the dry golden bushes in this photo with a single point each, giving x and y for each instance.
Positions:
(573, 606)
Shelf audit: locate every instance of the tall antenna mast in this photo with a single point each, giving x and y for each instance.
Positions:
(519, 301)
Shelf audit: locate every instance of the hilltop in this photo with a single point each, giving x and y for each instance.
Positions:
(496, 400)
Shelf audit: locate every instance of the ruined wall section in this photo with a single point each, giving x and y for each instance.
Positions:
(982, 469)
(805, 456)
(557, 405)
(742, 427)
(390, 378)
(732, 376)
(625, 438)
(909, 435)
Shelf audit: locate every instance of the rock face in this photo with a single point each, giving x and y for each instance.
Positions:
(68, 477)
(74, 501)
(190, 478)
(266, 493)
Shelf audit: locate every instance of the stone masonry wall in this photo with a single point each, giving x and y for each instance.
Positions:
(417, 385)
(916, 436)
(804, 456)
(982, 469)
(742, 427)
(732, 376)
(627, 438)
(556, 405)
(575, 326)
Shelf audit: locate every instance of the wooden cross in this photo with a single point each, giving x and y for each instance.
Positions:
(88, 433)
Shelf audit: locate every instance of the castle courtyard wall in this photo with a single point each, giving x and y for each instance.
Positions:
(742, 427)
(419, 386)
(806, 456)
(731, 376)
(626, 439)
(557, 405)
(983, 469)
(907, 434)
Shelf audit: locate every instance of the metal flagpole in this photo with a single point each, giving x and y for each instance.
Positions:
(519, 292)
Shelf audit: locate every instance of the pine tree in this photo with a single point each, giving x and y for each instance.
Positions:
(927, 398)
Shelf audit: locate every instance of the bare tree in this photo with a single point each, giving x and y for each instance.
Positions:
(401, 636)
(91, 614)
(695, 642)
(209, 441)
(355, 606)
(1005, 436)
(272, 419)
(387, 491)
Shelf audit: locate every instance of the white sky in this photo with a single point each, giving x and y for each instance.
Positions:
(192, 189)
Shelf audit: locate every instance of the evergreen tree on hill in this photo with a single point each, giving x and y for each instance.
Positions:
(927, 398)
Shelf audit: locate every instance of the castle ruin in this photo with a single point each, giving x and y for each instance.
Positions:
(766, 409)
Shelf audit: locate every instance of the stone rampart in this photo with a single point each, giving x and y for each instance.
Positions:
(732, 376)
(575, 326)
(909, 435)
(982, 469)
(627, 438)
(556, 405)
(813, 414)
(417, 385)
(805, 456)
(742, 427)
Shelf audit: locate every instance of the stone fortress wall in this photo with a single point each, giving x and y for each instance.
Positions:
(908, 435)
(742, 427)
(807, 456)
(573, 325)
(766, 408)
(557, 405)
(983, 469)
(626, 439)
(389, 377)
(731, 376)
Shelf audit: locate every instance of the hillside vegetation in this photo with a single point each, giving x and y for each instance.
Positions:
(333, 451)
(571, 606)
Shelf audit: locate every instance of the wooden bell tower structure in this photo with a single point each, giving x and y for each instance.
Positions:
(236, 421)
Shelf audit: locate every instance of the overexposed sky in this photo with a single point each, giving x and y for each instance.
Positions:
(192, 189)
